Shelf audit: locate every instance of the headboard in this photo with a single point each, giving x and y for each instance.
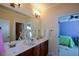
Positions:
(76, 39)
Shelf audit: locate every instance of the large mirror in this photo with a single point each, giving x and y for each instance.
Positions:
(28, 29)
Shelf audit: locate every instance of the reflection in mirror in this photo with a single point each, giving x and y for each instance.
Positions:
(24, 30)
(31, 28)
(27, 30)
(5, 25)
(19, 27)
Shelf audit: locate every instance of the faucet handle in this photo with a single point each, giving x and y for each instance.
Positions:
(32, 39)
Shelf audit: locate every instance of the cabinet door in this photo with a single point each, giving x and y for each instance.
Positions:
(27, 53)
(36, 50)
(44, 48)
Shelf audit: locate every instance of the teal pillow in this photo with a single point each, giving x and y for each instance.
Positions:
(66, 40)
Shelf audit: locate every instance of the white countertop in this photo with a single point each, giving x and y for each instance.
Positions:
(20, 47)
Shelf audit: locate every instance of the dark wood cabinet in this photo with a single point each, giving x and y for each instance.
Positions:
(44, 48)
(36, 51)
(39, 50)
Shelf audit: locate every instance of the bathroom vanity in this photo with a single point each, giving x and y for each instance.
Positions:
(39, 48)
(24, 33)
(19, 29)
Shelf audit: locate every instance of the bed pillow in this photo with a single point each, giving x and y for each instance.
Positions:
(66, 40)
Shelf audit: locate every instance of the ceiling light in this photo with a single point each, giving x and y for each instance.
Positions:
(15, 5)
(37, 13)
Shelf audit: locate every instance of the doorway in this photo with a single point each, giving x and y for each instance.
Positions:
(19, 27)
(68, 35)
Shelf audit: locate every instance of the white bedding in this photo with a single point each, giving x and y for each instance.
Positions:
(66, 51)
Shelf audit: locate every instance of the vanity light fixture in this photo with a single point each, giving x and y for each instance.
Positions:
(37, 13)
(15, 5)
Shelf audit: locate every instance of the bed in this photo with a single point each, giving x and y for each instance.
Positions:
(67, 46)
(66, 51)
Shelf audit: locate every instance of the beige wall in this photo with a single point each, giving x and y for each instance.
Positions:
(12, 17)
(50, 22)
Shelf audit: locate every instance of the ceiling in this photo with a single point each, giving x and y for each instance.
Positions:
(27, 8)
